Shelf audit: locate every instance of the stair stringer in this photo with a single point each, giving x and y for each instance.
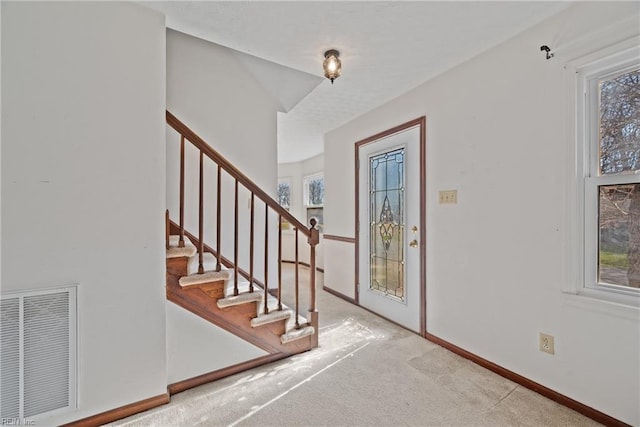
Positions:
(236, 319)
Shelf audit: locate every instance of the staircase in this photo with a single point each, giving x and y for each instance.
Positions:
(211, 295)
(221, 283)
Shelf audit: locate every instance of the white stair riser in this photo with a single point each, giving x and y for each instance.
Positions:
(208, 262)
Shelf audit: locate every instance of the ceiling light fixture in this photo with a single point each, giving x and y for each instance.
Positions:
(332, 65)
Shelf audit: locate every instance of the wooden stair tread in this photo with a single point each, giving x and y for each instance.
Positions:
(273, 316)
(176, 252)
(206, 277)
(241, 298)
(296, 334)
(243, 287)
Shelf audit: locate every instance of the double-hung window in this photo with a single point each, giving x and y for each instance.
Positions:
(608, 168)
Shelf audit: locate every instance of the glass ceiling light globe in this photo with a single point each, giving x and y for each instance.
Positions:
(332, 65)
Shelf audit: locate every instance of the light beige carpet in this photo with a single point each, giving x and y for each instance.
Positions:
(366, 372)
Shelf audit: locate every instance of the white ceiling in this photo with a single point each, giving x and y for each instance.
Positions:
(387, 48)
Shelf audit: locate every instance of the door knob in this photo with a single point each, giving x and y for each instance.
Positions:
(413, 243)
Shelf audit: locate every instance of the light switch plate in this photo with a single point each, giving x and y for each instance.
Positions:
(448, 197)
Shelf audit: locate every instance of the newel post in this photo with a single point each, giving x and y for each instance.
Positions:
(314, 239)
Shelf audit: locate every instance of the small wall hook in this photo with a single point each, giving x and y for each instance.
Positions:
(547, 49)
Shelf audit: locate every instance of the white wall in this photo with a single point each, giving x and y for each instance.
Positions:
(83, 96)
(205, 348)
(0, 146)
(212, 92)
(289, 248)
(496, 265)
(339, 266)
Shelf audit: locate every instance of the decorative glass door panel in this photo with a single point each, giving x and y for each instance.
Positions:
(390, 228)
(387, 222)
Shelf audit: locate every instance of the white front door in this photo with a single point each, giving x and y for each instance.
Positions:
(389, 243)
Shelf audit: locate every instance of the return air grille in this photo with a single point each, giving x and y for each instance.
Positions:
(10, 365)
(38, 353)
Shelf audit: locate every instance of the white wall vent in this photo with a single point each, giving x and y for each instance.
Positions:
(38, 347)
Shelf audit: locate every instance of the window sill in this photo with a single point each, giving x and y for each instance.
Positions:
(609, 303)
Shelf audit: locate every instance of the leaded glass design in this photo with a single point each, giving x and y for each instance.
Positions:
(386, 219)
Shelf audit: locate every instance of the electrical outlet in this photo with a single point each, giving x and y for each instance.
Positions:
(448, 197)
(546, 343)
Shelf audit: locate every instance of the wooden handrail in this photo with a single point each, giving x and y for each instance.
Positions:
(234, 172)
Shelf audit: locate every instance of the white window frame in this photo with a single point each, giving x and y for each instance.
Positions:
(305, 189)
(584, 74)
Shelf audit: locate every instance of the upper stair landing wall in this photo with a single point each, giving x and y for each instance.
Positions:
(212, 92)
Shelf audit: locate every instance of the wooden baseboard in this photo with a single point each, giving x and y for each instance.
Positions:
(121, 412)
(144, 405)
(181, 386)
(339, 295)
(585, 410)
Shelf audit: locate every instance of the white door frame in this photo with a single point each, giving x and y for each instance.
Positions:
(421, 122)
